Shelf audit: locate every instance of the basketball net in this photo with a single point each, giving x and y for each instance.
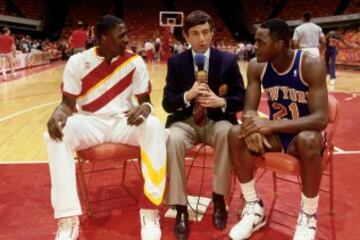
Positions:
(172, 27)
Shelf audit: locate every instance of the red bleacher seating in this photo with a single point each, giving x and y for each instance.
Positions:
(34, 9)
(2, 7)
(141, 17)
(354, 7)
(318, 8)
(349, 49)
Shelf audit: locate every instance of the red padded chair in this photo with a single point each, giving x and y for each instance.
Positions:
(103, 153)
(285, 164)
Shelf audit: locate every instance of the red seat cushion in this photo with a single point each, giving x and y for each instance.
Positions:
(279, 162)
(107, 151)
(200, 149)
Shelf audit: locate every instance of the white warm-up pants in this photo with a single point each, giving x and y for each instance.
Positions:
(84, 131)
(313, 50)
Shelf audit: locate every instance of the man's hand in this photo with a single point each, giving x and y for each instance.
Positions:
(57, 122)
(209, 99)
(195, 90)
(137, 115)
(255, 124)
(256, 143)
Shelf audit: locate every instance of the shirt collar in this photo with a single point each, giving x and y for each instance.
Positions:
(96, 53)
(207, 57)
(206, 54)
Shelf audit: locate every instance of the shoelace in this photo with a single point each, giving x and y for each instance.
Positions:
(67, 224)
(156, 220)
(249, 208)
(305, 221)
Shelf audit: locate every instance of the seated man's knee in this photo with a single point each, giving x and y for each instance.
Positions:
(176, 137)
(222, 131)
(233, 134)
(153, 123)
(309, 142)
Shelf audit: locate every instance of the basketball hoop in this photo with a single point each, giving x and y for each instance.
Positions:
(171, 19)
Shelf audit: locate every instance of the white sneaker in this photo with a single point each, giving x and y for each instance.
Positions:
(306, 227)
(332, 81)
(252, 219)
(68, 228)
(150, 224)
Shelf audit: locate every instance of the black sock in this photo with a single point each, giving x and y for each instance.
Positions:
(181, 209)
(218, 198)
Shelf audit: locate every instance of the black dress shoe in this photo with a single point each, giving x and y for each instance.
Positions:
(181, 228)
(220, 215)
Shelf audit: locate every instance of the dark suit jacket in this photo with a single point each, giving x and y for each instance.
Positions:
(223, 69)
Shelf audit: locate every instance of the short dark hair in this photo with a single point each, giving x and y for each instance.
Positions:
(307, 16)
(5, 30)
(80, 24)
(197, 17)
(106, 23)
(279, 29)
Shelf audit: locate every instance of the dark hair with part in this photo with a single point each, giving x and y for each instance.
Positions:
(105, 24)
(278, 29)
(197, 17)
(307, 16)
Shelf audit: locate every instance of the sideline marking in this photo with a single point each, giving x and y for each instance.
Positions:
(354, 95)
(339, 149)
(9, 162)
(26, 111)
(346, 152)
(23, 162)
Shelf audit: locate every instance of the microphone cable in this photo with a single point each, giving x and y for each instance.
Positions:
(197, 153)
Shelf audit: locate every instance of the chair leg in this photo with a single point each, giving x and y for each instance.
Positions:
(83, 189)
(232, 188)
(300, 183)
(331, 184)
(123, 173)
(137, 168)
(122, 183)
(275, 185)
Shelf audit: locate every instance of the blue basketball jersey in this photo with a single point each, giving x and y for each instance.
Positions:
(287, 93)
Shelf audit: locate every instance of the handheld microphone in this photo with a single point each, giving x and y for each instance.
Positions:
(201, 74)
(199, 61)
(200, 112)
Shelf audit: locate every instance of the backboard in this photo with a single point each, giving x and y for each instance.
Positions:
(171, 19)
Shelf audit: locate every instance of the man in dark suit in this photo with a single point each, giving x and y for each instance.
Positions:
(221, 93)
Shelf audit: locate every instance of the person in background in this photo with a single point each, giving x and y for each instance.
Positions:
(7, 51)
(157, 49)
(330, 55)
(149, 49)
(308, 36)
(78, 39)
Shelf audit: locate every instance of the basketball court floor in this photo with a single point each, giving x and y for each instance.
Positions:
(25, 210)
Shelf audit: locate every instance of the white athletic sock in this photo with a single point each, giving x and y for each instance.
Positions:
(309, 205)
(249, 191)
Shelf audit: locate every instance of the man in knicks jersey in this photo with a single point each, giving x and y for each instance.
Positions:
(100, 83)
(295, 86)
